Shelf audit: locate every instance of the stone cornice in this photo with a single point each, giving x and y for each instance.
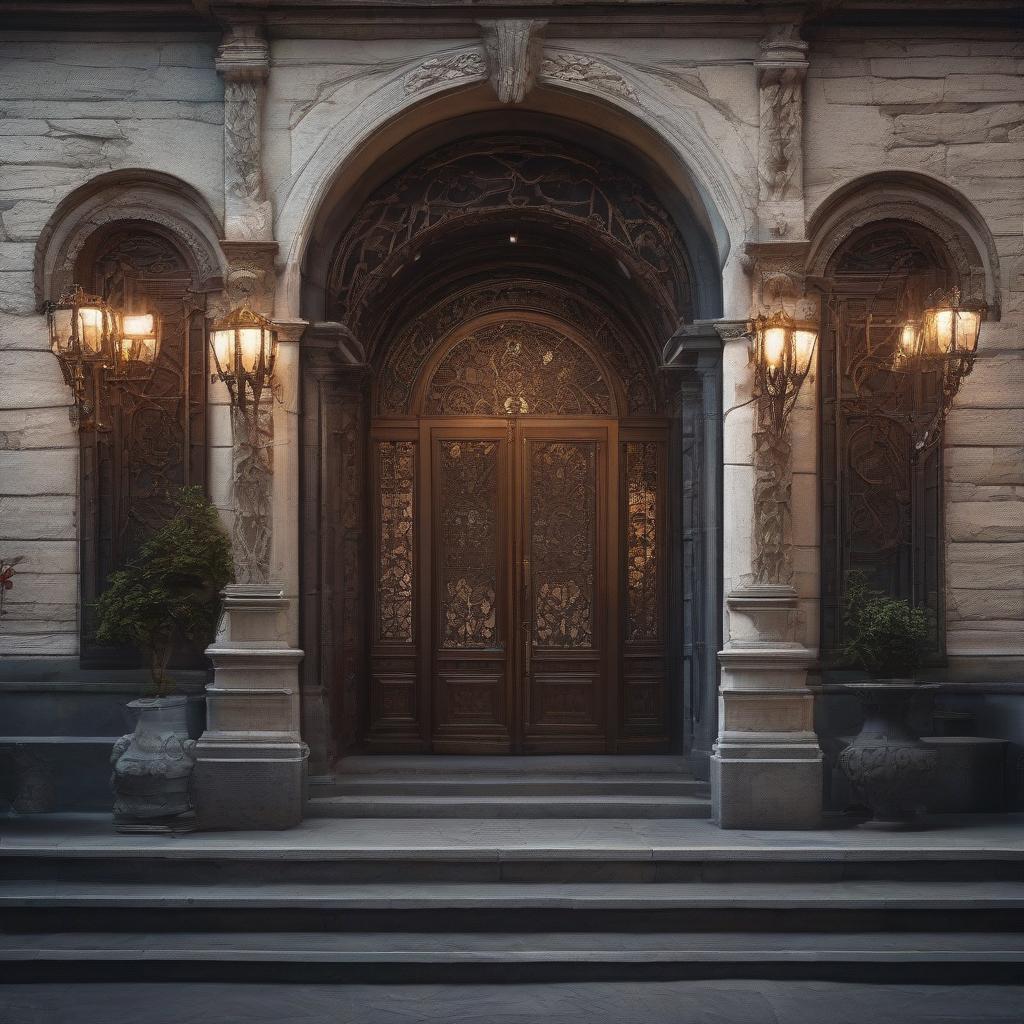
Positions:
(450, 18)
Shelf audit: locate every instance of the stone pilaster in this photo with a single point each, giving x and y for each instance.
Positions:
(250, 761)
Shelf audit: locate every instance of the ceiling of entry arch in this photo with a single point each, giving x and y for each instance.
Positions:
(576, 210)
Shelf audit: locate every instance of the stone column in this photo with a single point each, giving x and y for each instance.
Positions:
(250, 761)
(766, 768)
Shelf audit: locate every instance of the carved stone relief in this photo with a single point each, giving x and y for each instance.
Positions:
(575, 69)
(244, 60)
(251, 482)
(441, 70)
(514, 47)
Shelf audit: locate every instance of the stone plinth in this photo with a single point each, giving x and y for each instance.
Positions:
(250, 761)
(766, 768)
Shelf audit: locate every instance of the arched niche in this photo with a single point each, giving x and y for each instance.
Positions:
(881, 484)
(146, 243)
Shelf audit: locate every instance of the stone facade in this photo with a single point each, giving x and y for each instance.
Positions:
(254, 141)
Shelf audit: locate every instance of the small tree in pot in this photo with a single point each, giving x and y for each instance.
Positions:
(887, 765)
(167, 594)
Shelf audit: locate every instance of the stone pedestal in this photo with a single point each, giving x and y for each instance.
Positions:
(766, 768)
(250, 761)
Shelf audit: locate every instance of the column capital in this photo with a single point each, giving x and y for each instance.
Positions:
(783, 49)
(244, 54)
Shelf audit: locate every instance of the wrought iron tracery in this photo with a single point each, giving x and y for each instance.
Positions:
(468, 544)
(881, 498)
(396, 469)
(405, 360)
(484, 177)
(517, 367)
(154, 436)
(643, 604)
(563, 512)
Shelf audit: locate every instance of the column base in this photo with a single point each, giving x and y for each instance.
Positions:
(773, 785)
(255, 782)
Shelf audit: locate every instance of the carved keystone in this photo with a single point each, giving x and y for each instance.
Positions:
(514, 48)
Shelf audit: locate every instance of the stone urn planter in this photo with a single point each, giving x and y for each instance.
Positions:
(153, 768)
(887, 765)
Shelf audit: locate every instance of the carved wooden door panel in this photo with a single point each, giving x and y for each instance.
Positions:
(471, 680)
(564, 617)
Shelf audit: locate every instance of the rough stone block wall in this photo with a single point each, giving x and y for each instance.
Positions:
(951, 107)
(72, 109)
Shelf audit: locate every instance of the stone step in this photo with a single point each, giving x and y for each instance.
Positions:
(730, 907)
(512, 806)
(493, 784)
(518, 766)
(523, 956)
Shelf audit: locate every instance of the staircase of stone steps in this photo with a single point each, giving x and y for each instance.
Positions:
(420, 900)
(509, 787)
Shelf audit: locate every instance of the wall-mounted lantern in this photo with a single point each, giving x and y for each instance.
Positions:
(244, 346)
(83, 329)
(783, 355)
(943, 339)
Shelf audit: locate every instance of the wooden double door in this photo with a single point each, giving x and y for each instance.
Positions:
(503, 588)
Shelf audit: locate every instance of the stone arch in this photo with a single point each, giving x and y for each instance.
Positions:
(161, 203)
(371, 144)
(915, 199)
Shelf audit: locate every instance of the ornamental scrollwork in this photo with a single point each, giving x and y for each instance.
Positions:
(576, 69)
(442, 70)
(482, 178)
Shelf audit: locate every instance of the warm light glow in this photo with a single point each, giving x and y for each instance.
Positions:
(90, 321)
(967, 330)
(250, 344)
(138, 325)
(774, 346)
(804, 341)
(513, 239)
(223, 343)
(908, 338)
(943, 330)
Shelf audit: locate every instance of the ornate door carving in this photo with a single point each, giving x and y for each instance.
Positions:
(519, 560)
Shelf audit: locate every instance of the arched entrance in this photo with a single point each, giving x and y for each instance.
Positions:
(497, 538)
(519, 549)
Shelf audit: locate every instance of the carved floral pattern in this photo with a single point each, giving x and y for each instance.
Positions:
(563, 521)
(579, 70)
(449, 68)
(643, 609)
(396, 467)
(517, 368)
(468, 550)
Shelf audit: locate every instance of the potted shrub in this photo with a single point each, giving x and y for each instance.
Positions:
(887, 765)
(166, 595)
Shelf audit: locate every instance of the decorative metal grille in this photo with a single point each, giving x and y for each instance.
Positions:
(154, 436)
(396, 467)
(468, 544)
(881, 502)
(563, 522)
(643, 607)
(516, 368)
(486, 176)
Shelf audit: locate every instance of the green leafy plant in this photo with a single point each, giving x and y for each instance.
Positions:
(169, 592)
(886, 636)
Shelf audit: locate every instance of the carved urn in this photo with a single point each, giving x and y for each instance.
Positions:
(153, 767)
(887, 765)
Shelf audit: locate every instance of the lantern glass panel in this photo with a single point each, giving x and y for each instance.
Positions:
(803, 344)
(250, 343)
(60, 331)
(909, 338)
(774, 346)
(223, 350)
(967, 330)
(90, 330)
(138, 325)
